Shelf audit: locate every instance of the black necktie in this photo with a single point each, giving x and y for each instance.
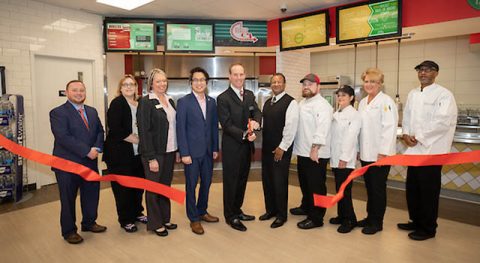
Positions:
(274, 100)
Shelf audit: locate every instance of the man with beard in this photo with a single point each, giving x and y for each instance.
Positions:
(78, 135)
(429, 122)
(312, 147)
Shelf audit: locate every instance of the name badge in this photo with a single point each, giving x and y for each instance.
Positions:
(158, 106)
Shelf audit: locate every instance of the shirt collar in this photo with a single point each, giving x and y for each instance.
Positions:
(237, 91)
(199, 96)
(77, 106)
(279, 96)
(152, 95)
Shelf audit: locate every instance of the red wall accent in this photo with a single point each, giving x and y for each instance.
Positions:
(128, 64)
(475, 38)
(268, 65)
(415, 13)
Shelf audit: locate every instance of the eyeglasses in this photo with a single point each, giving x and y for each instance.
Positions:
(129, 85)
(370, 81)
(425, 69)
(202, 80)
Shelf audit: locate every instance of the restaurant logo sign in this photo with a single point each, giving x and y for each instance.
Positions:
(240, 33)
(474, 3)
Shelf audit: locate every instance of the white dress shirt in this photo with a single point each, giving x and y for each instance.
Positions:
(172, 122)
(237, 91)
(378, 134)
(291, 123)
(315, 119)
(431, 116)
(344, 142)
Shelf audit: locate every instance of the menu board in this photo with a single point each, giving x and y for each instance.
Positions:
(130, 36)
(368, 21)
(189, 37)
(304, 31)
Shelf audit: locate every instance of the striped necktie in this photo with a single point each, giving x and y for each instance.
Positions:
(83, 117)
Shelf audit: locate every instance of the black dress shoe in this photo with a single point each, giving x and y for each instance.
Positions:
(245, 217)
(308, 224)
(346, 227)
(410, 226)
(420, 235)
(95, 228)
(371, 229)
(278, 223)
(130, 228)
(162, 233)
(170, 226)
(237, 225)
(266, 216)
(363, 222)
(298, 211)
(335, 220)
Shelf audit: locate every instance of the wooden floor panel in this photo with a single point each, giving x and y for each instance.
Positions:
(33, 235)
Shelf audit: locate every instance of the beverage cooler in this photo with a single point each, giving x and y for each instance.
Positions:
(11, 166)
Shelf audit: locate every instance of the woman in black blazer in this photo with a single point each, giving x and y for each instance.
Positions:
(121, 152)
(158, 147)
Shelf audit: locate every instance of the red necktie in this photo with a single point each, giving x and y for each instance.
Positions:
(83, 117)
(241, 94)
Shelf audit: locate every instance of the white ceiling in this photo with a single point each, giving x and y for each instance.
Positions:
(204, 9)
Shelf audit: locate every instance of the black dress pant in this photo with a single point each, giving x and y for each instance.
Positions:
(314, 176)
(158, 206)
(275, 183)
(236, 167)
(345, 206)
(423, 192)
(376, 184)
(128, 200)
(68, 186)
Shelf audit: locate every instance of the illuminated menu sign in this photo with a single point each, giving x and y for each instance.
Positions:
(304, 31)
(368, 21)
(130, 37)
(189, 37)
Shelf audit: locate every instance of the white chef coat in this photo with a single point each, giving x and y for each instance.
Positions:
(378, 134)
(431, 116)
(344, 142)
(315, 119)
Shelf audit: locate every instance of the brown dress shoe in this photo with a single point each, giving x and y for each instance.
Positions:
(95, 228)
(197, 228)
(209, 218)
(74, 238)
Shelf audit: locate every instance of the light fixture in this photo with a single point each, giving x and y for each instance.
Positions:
(125, 4)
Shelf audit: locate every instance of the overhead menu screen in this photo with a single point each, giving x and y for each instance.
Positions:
(130, 36)
(304, 31)
(189, 38)
(369, 21)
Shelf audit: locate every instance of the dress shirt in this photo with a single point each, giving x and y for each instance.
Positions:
(291, 122)
(202, 101)
(431, 116)
(237, 91)
(378, 134)
(315, 119)
(133, 110)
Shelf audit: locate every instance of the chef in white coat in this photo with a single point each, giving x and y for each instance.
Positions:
(343, 149)
(428, 127)
(377, 140)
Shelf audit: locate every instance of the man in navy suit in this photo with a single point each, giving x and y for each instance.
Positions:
(197, 136)
(78, 136)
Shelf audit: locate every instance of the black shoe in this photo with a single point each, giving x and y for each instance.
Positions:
(346, 227)
(278, 223)
(308, 224)
(266, 216)
(420, 235)
(363, 222)
(298, 211)
(335, 220)
(237, 225)
(142, 219)
(371, 229)
(410, 226)
(245, 217)
(170, 226)
(130, 228)
(162, 233)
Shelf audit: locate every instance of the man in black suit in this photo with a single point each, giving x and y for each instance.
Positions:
(78, 136)
(239, 115)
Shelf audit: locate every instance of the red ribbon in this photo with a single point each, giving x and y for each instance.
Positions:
(90, 175)
(405, 160)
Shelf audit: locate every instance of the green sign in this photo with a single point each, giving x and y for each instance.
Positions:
(130, 36)
(384, 18)
(475, 4)
(189, 37)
